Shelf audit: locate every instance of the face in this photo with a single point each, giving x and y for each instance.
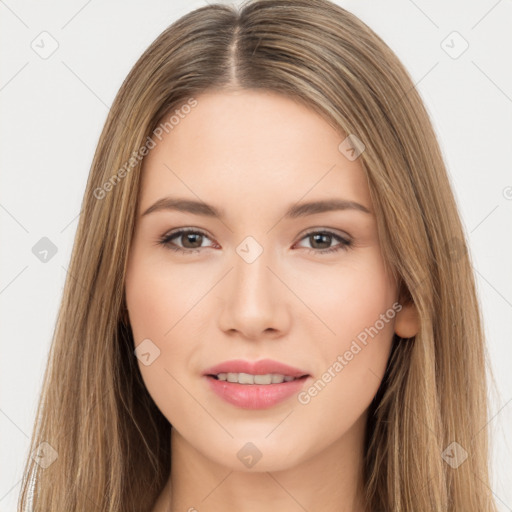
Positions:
(307, 289)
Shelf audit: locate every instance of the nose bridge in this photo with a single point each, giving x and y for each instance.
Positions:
(252, 276)
(253, 301)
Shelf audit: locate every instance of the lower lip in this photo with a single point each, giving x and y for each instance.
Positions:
(255, 396)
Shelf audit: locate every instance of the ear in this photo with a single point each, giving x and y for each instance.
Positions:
(407, 322)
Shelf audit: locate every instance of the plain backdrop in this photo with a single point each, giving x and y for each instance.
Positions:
(53, 109)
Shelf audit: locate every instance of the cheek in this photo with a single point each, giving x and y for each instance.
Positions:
(163, 307)
(348, 297)
(158, 297)
(358, 304)
(149, 304)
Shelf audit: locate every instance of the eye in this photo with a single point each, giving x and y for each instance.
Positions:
(192, 240)
(325, 238)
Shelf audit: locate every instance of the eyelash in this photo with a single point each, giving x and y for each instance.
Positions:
(344, 243)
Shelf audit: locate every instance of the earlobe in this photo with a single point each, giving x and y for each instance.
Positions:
(407, 323)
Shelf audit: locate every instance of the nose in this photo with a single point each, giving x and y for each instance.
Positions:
(254, 300)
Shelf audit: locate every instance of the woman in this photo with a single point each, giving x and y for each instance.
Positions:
(270, 373)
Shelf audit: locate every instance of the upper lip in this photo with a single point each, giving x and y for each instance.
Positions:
(261, 367)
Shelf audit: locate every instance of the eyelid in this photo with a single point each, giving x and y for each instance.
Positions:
(330, 231)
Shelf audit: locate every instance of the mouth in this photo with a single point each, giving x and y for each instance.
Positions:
(243, 371)
(255, 385)
(251, 379)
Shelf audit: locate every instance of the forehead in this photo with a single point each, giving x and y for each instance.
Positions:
(250, 147)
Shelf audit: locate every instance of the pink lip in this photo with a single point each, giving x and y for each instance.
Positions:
(255, 396)
(261, 367)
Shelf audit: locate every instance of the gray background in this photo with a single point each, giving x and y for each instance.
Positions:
(53, 109)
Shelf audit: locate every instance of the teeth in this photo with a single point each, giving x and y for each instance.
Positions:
(247, 378)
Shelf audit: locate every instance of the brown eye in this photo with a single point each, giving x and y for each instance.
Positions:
(321, 241)
(191, 240)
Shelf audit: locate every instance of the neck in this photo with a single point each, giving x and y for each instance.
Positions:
(328, 481)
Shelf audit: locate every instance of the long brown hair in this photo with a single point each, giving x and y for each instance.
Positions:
(111, 443)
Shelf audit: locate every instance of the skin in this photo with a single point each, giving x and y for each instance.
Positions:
(253, 154)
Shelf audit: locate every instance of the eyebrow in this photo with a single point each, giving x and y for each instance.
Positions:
(295, 211)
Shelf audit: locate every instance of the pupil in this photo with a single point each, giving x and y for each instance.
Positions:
(320, 236)
(189, 238)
